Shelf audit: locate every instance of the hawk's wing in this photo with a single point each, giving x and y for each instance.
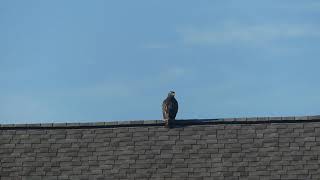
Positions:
(173, 108)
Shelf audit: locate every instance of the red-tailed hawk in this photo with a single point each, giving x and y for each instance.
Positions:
(169, 109)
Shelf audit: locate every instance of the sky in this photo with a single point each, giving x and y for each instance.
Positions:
(98, 60)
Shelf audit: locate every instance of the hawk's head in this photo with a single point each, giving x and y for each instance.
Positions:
(171, 94)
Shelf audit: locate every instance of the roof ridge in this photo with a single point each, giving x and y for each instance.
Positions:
(178, 122)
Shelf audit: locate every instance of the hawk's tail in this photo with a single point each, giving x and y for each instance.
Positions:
(169, 123)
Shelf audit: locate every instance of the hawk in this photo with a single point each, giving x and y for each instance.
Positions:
(169, 109)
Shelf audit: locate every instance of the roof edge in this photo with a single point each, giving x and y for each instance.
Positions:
(179, 122)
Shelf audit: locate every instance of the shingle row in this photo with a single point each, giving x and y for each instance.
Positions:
(160, 122)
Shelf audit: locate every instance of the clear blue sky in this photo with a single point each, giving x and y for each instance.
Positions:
(98, 60)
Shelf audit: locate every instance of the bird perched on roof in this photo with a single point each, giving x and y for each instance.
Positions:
(169, 109)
